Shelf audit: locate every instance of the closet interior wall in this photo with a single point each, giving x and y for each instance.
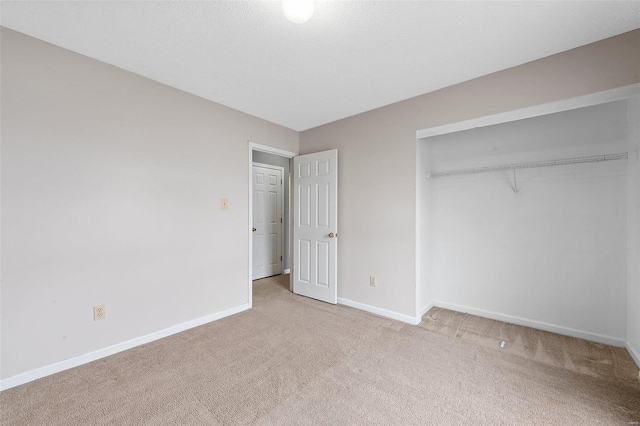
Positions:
(633, 231)
(550, 249)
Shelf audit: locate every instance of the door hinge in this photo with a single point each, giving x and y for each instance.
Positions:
(280, 258)
(280, 181)
(280, 220)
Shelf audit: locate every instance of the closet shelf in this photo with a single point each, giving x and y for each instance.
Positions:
(531, 165)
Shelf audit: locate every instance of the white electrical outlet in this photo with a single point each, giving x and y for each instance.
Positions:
(373, 282)
(99, 312)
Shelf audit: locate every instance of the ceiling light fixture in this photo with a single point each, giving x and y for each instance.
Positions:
(297, 11)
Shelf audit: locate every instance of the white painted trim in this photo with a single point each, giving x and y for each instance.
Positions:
(270, 150)
(48, 370)
(594, 337)
(426, 308)
(635, 354)
(418, 233)
(534, 111)
(270, 166)
(287, 271)
(379, 311)
(281, 170)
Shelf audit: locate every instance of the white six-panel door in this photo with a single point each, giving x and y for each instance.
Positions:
(315, 225)
(267, 221)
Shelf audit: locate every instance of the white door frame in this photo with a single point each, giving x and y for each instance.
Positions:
(282, 224)
(270, 150)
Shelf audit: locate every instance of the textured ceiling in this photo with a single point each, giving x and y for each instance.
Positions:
(349, 58)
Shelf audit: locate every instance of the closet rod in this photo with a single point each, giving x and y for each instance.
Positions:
(561, 162)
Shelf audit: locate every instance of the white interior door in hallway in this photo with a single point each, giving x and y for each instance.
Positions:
(268, 213)
(315, 225)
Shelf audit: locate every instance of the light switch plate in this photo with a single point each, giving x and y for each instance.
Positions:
(224, 204)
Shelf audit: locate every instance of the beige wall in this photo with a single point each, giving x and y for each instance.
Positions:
(377, 149)
(111, 188)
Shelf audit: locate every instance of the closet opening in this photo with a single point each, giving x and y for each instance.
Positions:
(534, 221)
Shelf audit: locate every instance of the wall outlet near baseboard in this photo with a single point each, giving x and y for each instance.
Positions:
(99, 312)
(373, 282)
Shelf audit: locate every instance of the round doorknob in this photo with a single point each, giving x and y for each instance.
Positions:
(331, 235)
(253, 229)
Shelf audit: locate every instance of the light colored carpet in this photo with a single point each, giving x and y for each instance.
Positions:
(581, 356)
(293, 360)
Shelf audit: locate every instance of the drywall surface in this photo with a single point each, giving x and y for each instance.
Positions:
(111, 188)
(377, 185)
(555, 251)
(276, 160)
(633, 229)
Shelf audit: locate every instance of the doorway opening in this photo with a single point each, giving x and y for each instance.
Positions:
(269, 214)
(270, 196)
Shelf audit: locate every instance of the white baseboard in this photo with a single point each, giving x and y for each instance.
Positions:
(635, 354)
(379, 311)
(38, 373)
(426, 308)
(594, 337)
(286, 271)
